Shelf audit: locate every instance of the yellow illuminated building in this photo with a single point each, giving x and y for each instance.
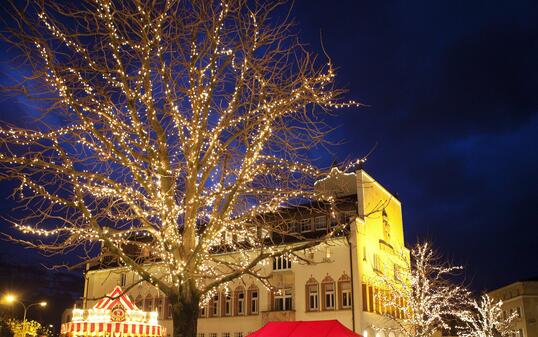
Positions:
(342, 284)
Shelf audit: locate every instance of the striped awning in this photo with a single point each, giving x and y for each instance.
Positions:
(115, 329)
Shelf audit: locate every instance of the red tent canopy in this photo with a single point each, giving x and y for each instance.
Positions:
(330, 328)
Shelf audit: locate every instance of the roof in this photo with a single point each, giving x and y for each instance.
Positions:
(328, 328)
(113, 298)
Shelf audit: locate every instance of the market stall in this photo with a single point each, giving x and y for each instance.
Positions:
(115, 315)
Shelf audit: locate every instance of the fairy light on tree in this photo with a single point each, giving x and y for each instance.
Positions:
(486, 318)
(422, 298)
(186, 123)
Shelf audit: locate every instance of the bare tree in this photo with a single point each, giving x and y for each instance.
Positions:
(485, 318)
(181, 121)
(422, 297)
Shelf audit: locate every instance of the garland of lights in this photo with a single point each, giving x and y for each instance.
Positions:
(172, 145)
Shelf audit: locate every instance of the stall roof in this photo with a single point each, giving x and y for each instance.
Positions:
(328, 328)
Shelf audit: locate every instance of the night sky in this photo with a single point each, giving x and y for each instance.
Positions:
(450, 89)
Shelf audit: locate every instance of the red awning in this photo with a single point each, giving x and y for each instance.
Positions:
(330, 328)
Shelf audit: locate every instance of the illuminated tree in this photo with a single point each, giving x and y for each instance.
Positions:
(23, 328)
(486, 319)
(185, 127)
(421, 298)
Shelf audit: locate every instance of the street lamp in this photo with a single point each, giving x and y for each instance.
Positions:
(10, 298)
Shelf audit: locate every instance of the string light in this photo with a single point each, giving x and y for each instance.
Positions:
(180, 142)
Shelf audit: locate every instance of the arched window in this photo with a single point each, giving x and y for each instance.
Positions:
(253, 300)
(139, 302)
(159, 307)
(312, 295)
(227, 304)
(328, 290)
(345, 295)
(239, 299)
(214, 305)
(148, 303)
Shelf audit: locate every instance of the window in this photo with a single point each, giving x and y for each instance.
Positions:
(240, 302)
(238, 334)
(518, 312)
(170, 311)
(148, 303)
(312, 295)
(306, 226)
(225, 334)
(347, 216)
(397, 272)
(333, 221)
(253, 300)
(227, 305)
(212, 334)
(215, 305)
(281, 263)
(139, 302)
(159, 307)
(320, 223)
(377, 264)
(202, 312)
(328, 295)
(201, 334)
(346, 295)
(123, 280)
(283, 300)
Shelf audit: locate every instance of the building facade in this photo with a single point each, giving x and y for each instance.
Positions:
(340, 282)
(522, 298)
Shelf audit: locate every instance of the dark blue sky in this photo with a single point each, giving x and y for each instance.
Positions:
(452, 104)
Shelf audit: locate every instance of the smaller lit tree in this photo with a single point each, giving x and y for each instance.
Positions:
(486, 319)
(23, 328)
(422, 297)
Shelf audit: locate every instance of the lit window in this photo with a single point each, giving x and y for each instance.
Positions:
(281, 263)
(159, 307)
(227, 305)
(215, 305)
(253, 301)
(240, 303)
(139, 302)
(377, 264)
(313, 297)
(328, 295)
(346, 295)
(397, 272)
(283, 300)
(320, 223)
(306, 226)
(148, 303)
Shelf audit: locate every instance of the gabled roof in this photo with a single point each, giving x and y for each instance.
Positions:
(113, 298)
(328, 328)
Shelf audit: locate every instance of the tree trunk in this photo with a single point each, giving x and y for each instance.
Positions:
(185, 307)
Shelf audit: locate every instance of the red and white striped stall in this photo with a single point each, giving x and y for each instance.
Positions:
(113, 316)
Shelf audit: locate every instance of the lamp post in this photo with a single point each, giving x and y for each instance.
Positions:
(9, 299)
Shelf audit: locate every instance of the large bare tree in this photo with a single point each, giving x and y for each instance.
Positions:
(180, 121)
